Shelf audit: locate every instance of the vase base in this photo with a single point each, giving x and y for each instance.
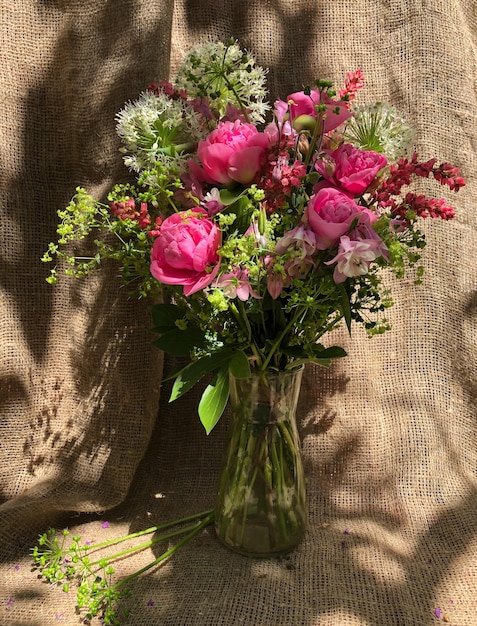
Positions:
(256, 543)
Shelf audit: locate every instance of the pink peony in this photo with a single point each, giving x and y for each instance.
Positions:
(301, 108)
(330, 214)
(185, 252)
(233, 153)
(351, 169)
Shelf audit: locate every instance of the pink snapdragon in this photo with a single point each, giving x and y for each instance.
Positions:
(353, 83)
(353, 258)
(234, 152)
(185, 252)
(351, 169)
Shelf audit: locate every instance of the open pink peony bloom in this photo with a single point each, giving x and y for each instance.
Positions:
(233, 153)
(353, 258)
(301, 108)
(351, 169)
(185, 252)
(330, 214)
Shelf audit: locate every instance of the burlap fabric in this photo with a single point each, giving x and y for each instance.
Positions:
(389, 434)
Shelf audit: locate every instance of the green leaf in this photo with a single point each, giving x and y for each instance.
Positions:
(189, 375)
(180, 342)
(345, 305)
(214, 400)
(239, 365)
(164, 316)
(333, 352)
(316, 354)
(228, 197)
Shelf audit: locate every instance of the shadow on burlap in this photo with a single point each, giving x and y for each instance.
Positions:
(389, 434)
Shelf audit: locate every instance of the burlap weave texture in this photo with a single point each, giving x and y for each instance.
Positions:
(389, 434)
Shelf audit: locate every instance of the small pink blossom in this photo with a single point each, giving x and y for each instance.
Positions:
(353, 258)
(275, 284)
(185, 253)
(236, 285)
(253, 230)
(300, 238)
(212, 202)
(299, 267)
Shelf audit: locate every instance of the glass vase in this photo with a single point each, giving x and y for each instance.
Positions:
(261, 502)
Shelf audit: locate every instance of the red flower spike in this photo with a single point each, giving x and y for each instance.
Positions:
(353, 83)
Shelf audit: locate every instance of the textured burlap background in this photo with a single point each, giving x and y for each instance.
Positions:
(389, 434)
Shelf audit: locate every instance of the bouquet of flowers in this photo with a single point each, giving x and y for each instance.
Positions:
(260, 229)
(261, 236)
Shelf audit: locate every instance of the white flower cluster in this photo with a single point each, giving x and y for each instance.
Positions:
(224, 74)
(380, 128)
(157, 129)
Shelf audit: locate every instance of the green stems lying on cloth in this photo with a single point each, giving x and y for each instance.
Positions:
(261, 503)
(97, 593)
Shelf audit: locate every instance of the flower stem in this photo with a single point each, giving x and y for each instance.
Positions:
(150, 530)
(277, 342)
(145, 545)
(196, 528)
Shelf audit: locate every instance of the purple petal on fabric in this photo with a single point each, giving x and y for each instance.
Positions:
(437, 613)
(105, 525)
(150, 603)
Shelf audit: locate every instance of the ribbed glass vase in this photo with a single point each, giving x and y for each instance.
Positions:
(261, 501)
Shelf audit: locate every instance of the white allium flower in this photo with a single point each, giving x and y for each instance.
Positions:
(156, 128)
(225, 74)
(380, 128)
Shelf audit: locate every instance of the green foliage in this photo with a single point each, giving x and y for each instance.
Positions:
(79, 565)
(89, 235)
